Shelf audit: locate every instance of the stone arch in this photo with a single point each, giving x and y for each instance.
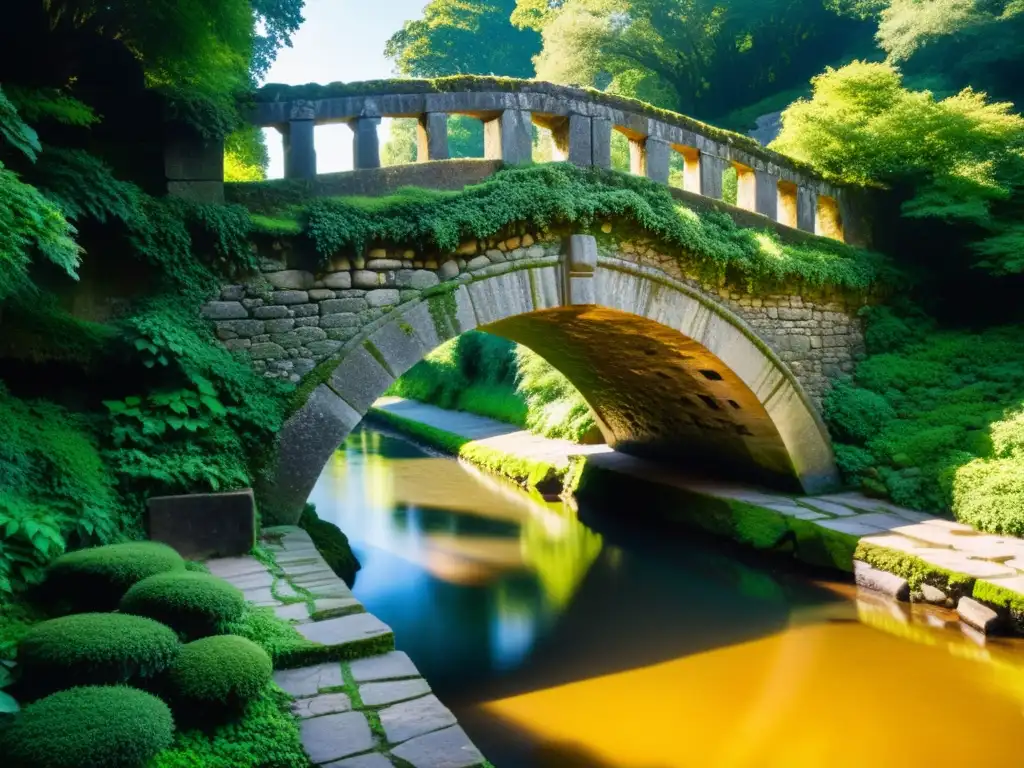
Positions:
(669, 372)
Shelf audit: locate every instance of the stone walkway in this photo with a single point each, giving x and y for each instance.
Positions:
(997, 560)
(370, 712)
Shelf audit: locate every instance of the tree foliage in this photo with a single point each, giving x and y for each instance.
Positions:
(700, 57)
(962, 157)
(473, 37)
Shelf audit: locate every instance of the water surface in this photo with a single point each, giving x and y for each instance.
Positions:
(648, 647)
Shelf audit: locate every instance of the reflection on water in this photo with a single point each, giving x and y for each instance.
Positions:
(651, 648)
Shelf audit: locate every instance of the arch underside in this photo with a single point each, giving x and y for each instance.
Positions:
(670, 376)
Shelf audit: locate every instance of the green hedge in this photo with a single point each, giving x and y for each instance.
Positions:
(89, 727)
(218, 676)
(193, 604)
(94, 648)
(96, 579)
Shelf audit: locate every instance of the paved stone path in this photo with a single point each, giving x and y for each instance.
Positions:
(938, 541)
(372, 712)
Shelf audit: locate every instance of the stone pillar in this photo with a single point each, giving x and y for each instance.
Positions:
(432, 137)
(365, 144)
(601, 142)
(806, 209)
(509, 137)
(574, 140)
(711, 169)
(766, 200)
(299, 150)
(649, 157)
(193, 166)
(579, 264)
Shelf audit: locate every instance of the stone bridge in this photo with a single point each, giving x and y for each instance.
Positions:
(781, 193)
(674, 367)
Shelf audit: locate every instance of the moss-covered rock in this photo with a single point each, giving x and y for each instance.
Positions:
(89, 727)
(96, 579)
(218, 675)
(915, 570)
(193, 604)
(331, 543)
(94, 649)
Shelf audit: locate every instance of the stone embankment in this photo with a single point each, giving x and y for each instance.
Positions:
(907, 555)
(372, 711)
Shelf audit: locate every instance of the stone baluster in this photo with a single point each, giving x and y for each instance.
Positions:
(365, 144)
(806, 209)
(573, 139)
(432, 137)
(766, 200)
(711, 169)
(299, 150)
(509, 137)
(649, 157)
(601, 142)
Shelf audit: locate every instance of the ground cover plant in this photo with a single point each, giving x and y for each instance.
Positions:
(193, 604)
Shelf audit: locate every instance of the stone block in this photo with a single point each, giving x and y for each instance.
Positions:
(432, 137)
(290, 297)
(509, 137)
(369, 760)
(324, 704)
(242, 328)
(711, 169)
(324, 346)
(382, 263)
(409, 719)
(332, 737)
(979, 616)
(304, 310)
(337, 306)
(321, 294)
(448, 270)
(656, 159)
(345, 629)
(766, 194)
(601, 142)
(417, 279)
(388, 666)
(880, 581)
(376, 694)
(203, 525)
(338, 280)
(478, 262)
(232, 293)
(447, 748)
(299, 150)
(383, 297)
(279, 326)
(339, 320)
(365, 143)
(224, 310)
(291, 279)
(270, 313)
(364, 278)
(309, 334)
(267, 351)
(399, 344)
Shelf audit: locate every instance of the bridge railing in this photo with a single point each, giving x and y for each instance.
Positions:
(581, 122)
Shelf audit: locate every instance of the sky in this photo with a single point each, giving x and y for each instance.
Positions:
(339, 40)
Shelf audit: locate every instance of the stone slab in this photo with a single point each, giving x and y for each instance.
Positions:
(324, 704)
(332, 737)
(795, 510)
(387, 666)
(832, 508)
(409, 719)
(204, 525)
(448, 748)
(345, 629)
(235, 567)
(889, 584)
(254, 580)
(261, 596)
(975, 614)
(309, 681)
(962, 563)
(332, 607)
(376, 694)
(371, 760)
(292, 612)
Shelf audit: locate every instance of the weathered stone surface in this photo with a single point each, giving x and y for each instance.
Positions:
(291, 279)
(977, 615)
(332, 607)
(242, 328)
(270, 313)
(364, 278)
(334, 306)
(324, 704)
(309, 681)
(204, 525)
(309, 334)
(231, 568)
(448, 270)
(338, 280)
(332, 737)
(415, 718)
(381, 263)
(360, 379)
(345, 629)
(479, 262)
(224, 310)
(232, 293)
(304, 310)
(387, 666)
(370, 760)
(340, 319)
(880, 581)
(280, 326)
(290, 297)
(417, 279)
(448, 748)
(383, 297)
(320, 294)
(375, 694)
(324, 347)
(933, 595)
(292, 612)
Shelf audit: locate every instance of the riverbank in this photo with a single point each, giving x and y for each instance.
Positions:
(906, 554)
(362, 702)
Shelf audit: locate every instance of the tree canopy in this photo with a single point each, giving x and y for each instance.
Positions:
(473, 37)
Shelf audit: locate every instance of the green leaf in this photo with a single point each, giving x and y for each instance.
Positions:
(133, 401)
(12, 528)
(214, 405)
(178, 407)
(8, 704)
(6, 678)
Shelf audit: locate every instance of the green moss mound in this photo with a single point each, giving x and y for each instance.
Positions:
(89, 727)
(96, 579)
(218, 675)
(331, 543)
(95, 648)
(193, 604)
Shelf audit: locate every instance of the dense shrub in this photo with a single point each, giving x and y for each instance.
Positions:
(193, 604)
(89, 727)
(934, 422)
(96, 579)
(218, 674)
(331, 543)
(94, 648)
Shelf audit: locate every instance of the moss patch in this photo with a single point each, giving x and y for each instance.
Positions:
(915, 570)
